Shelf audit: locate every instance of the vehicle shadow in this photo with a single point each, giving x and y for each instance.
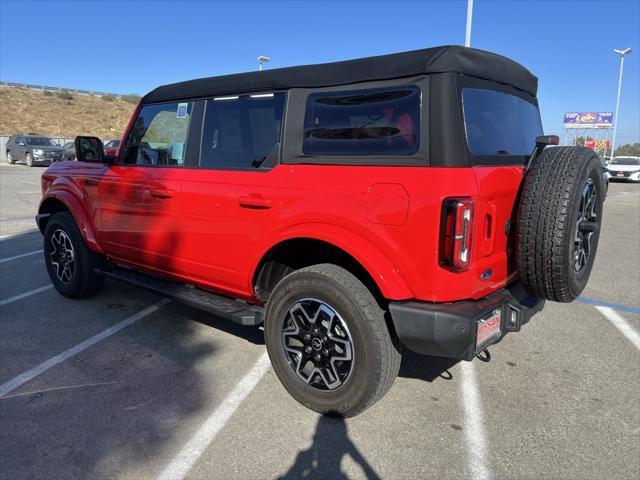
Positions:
(425, 367)
(331, 443)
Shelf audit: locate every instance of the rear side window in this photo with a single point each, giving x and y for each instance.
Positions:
(381, 121)
(159, 135)
(498, 123)
(242, 132)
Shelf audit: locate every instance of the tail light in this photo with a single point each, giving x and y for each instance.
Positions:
(456, 230)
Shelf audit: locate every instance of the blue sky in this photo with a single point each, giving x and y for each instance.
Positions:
(131, 47)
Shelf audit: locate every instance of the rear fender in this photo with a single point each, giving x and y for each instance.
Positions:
(386, 276)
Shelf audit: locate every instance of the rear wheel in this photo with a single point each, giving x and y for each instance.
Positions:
(29, 160)
(559, 222)
(70, 263)
(328, 341)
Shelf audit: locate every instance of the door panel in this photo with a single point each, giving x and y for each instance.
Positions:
(141, 216)
(227, 216)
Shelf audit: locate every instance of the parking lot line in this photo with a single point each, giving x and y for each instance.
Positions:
(15, 257)
(182, 463)
(475, 438)
(621, 324)
(15, 298)
(53, 361)
(615, 306)
(12, 235)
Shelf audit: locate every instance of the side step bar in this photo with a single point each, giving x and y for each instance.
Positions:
(235, 310)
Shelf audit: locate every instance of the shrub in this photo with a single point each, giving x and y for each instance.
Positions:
(131, 98)
(64, 95)
(107, 98)
(47, 93)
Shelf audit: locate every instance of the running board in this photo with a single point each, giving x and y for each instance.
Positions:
(234, 310)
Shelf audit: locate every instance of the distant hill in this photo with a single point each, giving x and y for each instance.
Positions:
(62, 114)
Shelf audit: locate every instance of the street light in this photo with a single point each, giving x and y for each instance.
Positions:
(622, 53)
(467, 38)
(262, 59)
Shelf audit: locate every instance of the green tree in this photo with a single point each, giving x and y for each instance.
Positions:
(631, 150)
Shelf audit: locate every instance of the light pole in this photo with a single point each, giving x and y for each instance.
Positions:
(622, 53)
(467, 39)
(262, 59)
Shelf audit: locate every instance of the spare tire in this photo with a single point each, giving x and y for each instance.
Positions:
(559, 221)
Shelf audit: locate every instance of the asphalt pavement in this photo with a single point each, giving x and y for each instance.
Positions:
(126, 385)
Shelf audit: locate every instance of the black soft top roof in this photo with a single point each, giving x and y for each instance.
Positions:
(452, 58)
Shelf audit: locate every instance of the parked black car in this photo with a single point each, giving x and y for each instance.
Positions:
(32, 150)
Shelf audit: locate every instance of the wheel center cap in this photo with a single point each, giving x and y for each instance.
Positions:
(316, 343)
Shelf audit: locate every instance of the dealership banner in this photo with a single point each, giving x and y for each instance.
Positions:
(588, 120)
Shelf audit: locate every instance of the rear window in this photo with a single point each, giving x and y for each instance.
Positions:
(498, 123)
(363, 122)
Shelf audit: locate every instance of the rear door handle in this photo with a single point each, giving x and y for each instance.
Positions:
(161, 194)
(255, 201)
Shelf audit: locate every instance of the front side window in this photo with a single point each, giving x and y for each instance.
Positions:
(242, 132)
(381, 121)
(498, 123)
(159, 135)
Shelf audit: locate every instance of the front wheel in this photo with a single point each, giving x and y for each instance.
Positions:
(328, 341)
(10, 159)
(29, 160)
(70, 263)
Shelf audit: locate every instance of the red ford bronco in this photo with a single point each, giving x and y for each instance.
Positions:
(354, 208)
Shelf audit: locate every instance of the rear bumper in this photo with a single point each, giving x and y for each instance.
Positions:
(449, 329)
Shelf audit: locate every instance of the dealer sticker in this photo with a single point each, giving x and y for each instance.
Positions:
(182, 110)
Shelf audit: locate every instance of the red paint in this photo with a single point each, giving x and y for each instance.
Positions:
(211, 228)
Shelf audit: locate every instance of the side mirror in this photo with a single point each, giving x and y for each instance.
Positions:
(89, 149)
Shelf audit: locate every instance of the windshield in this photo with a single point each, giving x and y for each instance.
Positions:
(40, 141)
(498, 123)
(625, 161)
(113, 144)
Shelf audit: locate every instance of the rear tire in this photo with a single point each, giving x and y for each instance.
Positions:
(349, 360)
(559, 222)
(29, 160)
(70, 263)
(10, 159)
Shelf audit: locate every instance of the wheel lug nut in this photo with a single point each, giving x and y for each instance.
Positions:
(307, 349)
(325, 352)
(317, 357)
(307, 337)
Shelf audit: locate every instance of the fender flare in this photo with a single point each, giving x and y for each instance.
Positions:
(371, 258)
(79, 213)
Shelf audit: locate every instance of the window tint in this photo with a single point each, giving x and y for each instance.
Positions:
(159, 135)
(241, 132)
(40, 141)
(498, 123)
(363, 122)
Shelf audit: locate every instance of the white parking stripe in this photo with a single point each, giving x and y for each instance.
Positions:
(12, 235)
(53, 361)
(15, 257)
(621, 324)
(475, 439)
(191, 452)
(15, 298)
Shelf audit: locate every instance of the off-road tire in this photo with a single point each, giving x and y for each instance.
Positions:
(376, 361)
(84, 282)
(548, 222)
(29, 160)
(10, 159)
